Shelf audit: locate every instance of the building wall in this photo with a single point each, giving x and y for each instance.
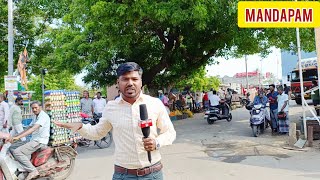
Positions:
(289, 62)
(112, 92)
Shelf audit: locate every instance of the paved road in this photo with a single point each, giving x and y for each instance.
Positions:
(224, 150)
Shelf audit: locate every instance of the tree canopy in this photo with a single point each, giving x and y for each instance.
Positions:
(170, 39)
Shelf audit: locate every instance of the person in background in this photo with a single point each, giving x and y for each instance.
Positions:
(228, 96)
(272, 97)
(189, 99)
(14, 123)
(87, 104)
(198, 101)
(172, 100)
(15, 118)
(98, 104)
(201, 99)
(215, 100)
(160, 92)
(165, 101)
(221, 94)
(283, 107)
(263, 100)
(205, 100)
(260, 98)
(4, 114)
(287, 90)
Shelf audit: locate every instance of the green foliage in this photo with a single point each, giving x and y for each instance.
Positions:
(63, 80)
(162, 36)
(198, 81)
(171, 39)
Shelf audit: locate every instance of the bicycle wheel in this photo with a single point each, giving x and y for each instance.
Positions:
(105, 142)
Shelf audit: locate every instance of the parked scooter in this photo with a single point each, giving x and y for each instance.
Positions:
(258, 120)
(215, 114)
(51, 162)
(105, 142)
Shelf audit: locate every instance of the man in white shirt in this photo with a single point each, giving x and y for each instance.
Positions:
(283, 107)
(40, 130)
(98, 104)
(4, 114)
(122, 115)
(215, 100)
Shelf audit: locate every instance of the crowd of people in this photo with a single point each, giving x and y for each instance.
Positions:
(195, 101)
(279, 107)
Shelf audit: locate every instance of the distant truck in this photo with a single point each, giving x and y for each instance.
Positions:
(309, 71)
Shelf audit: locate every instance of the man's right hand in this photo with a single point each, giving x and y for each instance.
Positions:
(73, 126)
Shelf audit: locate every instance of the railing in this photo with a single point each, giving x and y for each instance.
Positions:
(306, 104)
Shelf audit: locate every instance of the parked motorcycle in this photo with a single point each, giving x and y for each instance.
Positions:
(51, 162)
(258, 121)
(215, 114)
(105, 142)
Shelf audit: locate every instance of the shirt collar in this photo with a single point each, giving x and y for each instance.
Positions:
(121, 100)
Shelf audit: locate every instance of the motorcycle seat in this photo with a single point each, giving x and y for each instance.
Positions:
(41, 156)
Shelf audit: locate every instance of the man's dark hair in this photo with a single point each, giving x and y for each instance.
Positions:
(128, 67)
(285, 85)
(214, 92)
(36, 102)
(272, 85)
(99, 93)
(165, 94)
(18, 99)
(280, 88)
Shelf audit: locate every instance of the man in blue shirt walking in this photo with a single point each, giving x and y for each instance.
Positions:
(272, 97)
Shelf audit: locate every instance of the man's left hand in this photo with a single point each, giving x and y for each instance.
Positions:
(149, 144)
(9, 139)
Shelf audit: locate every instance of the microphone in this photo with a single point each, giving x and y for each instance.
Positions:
(145, 124)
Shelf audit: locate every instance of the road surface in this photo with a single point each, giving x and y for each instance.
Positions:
(224, 150)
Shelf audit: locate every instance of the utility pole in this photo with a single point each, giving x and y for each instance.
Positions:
(317, 38)
(43, 73)
(260, 75)
(10, 47)
(301, 82)
(246, 60)
(10, 38)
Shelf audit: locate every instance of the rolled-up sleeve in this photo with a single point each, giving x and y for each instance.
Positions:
(98, 131)
(167, 133)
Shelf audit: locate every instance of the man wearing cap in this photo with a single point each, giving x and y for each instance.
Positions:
(123, 116)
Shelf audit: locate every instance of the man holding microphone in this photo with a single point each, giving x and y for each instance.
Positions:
(123, 116)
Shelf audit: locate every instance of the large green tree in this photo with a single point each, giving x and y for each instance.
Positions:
(169, 39)
(31, 21)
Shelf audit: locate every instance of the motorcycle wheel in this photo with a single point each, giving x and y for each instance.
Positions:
(210, 121)
(66, 171)
(262, 127)
(229, 118)
(105, 142)
(255, 131)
